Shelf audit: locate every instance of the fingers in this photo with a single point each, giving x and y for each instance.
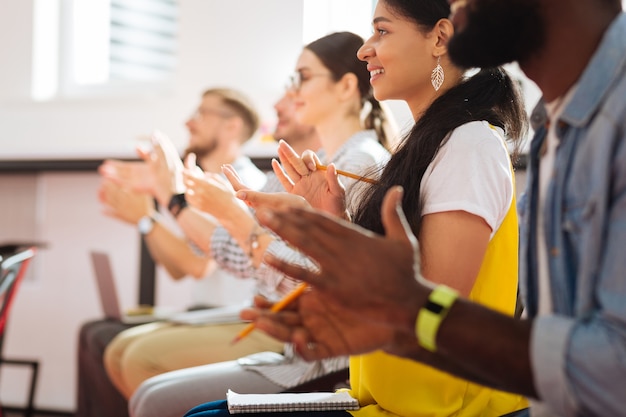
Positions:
(274, 201)
(105, 167)
(253, 198)
(262, 302)
(164, 152)
(163, 145)
(191, 165)
(191, 161)
(295, 271)
(274, 328)
(307, 347)
(335, 186)
(310, 159)
(107, 190)
(291, 161)
(109, 169)
(233, 177)
(282, 176)
(158, 153)
(144, 153)
(393, 218)
(193, 178)
(257, 198)
(306, 221)
(279, 325)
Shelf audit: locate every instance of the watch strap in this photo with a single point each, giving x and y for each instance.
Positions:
(432, 314)
(177, 203)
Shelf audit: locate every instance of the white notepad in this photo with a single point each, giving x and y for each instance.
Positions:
(216, 315)
(308, 401)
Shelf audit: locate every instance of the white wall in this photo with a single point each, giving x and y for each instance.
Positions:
(246, 44)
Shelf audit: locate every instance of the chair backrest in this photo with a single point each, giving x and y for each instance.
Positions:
(13, 263)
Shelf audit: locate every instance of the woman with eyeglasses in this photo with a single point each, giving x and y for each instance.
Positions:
(331, 92)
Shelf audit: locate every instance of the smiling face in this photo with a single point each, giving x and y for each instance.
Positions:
(316, 98)
(399, 57)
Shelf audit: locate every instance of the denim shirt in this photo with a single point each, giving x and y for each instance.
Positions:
(578, 352)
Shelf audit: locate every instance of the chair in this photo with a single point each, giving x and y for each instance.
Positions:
(14, 260)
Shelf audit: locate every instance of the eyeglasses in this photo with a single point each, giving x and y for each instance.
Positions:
(201, 113)
(297, 79)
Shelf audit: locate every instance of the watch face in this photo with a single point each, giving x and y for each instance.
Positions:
(145, 225)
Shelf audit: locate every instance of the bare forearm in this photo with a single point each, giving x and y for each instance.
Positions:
(242, 227)
(197, 227)
(175, 254)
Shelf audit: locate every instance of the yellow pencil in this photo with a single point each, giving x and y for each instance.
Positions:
(348, 174)
(284, 302)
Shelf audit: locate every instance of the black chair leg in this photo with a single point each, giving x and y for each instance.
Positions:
(33, 385)
(34, 365)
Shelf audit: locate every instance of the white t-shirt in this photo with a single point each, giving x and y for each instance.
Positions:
(471, 172)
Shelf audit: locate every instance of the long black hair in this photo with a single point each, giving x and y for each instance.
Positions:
(338, 53)
(489, 95)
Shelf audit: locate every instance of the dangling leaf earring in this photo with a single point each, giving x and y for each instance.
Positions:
(437, 76)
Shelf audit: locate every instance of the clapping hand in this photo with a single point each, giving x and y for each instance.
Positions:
(319, 328)
(365, 295)
(300, 176)
(123, 203)
(208, 192)
(158, 174)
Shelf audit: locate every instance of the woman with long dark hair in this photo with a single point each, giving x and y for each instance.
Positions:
(459, 197)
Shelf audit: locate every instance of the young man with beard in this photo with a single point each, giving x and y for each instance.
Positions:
(222, 123)
(568, 354)
(225, 119)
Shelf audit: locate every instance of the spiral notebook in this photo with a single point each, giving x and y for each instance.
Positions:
(307, 401)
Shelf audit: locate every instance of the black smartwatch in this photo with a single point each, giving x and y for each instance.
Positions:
(177, 204)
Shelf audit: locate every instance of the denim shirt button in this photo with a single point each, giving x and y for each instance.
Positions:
(554, 251)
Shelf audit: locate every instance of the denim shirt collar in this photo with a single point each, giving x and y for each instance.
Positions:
(595, 83)
(601, 72)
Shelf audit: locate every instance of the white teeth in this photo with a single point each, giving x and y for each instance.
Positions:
(376, 72)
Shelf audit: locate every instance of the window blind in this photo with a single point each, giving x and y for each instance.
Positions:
(143, 45)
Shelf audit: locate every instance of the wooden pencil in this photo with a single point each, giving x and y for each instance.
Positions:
(284, 302)
(348, 174)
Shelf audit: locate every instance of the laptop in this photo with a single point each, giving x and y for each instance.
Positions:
(108, 293)
(110, 303)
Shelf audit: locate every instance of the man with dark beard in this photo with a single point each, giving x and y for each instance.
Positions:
(568, 354)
